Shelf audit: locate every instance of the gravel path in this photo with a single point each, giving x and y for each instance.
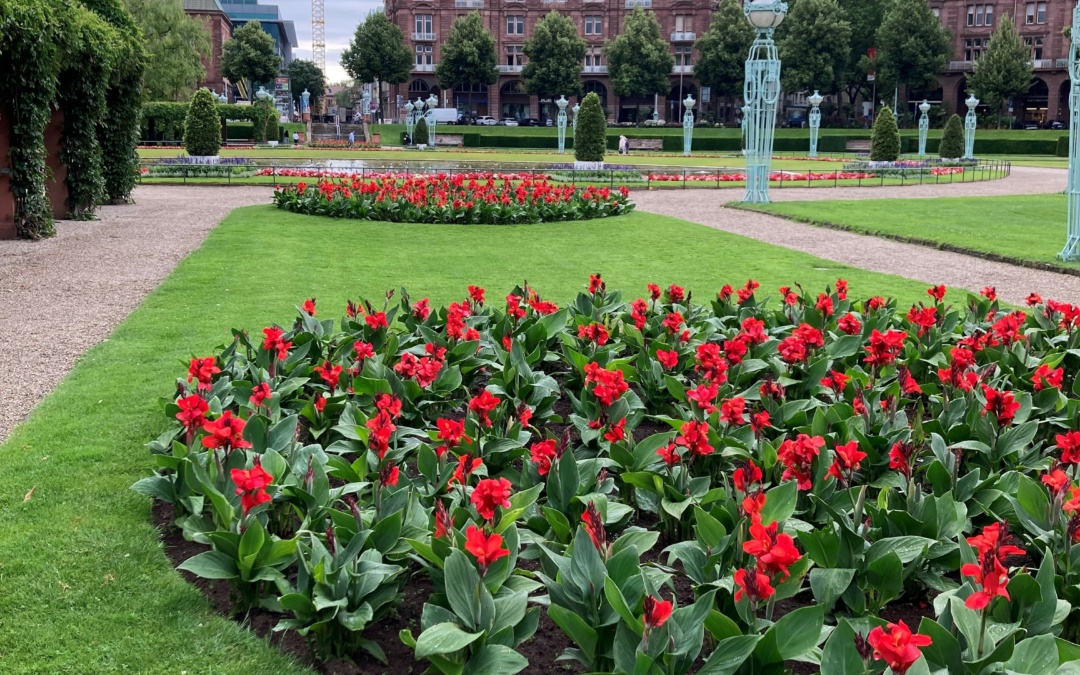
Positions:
(61, 296)
(871, 253)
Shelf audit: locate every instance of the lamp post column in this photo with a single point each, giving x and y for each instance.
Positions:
(1072, 243)
(432, 103)
(924, 127)
(815, 121)
(761, 91)
(409, 120)
(970, 122)
(688, 124)
(561, 122)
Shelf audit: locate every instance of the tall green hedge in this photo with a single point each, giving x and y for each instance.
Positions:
(885, 142)
(420, 132)
(202, 128)
(952, 139)
(591, 132)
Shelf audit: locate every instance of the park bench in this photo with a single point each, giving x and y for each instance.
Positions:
(858, 145)
(646, 144)
(450, 139)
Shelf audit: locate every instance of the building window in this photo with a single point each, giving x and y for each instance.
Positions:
(989, 15)
(594, 57)
(974, 47)
(1040, 13)
(423, 24)
(515, 55)
(515, 25)
(980, 15)
(594, 25)
(937, 12)
(683, 56)
(423, 55)
(1035, 12)
(684, 24)
(1036, 47)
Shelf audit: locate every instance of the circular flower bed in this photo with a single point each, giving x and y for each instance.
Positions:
(793, 176)
(746, 482)
(457, 199)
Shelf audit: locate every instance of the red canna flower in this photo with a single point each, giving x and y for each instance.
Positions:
(797, 456)
(1001, 404)
(259, 393)
(694, 436)
(421, 309)
(376, 321)
(1045, 376)
(990, 577)
(753, 504)
(654, 291)
(735, 350)
(669, 453)
(901, 458)
(752, 585)
(673, 322)
(596, 284)
(992, 540)
(389, 404)
(381, 430)
(775, 552)
(925, 318)
(274, 342)
(836, 381)
(897, 646)
(908, 385)
(710, 364)
(444, 522)
(329, 373)
(990, 293)
(364, 350)
(320, 403)
(594, 332)
(617, 432)
(192, 413)
(725, 292)
(936, 292)
(490, 493)
(704, 395)
(841, 289)
(389, 475)
(849, 324)
(465, 468)
(1057, 481)
(1069, 444)
(874, 303)
(846, 461)
(656, 612)
(758, 421)
(226, 432)
(771, 389)
(746, 475)
(1033, 299)
(309, 306)
(608, 385)
(476, 294)
(732, 409)
(593, 523)
(203, 370)
(541, 454)
(485, 548)
(451, 433)
(884, 347)
(674, 293)
(668, 359)
(483, 404)
(824, 304)
(251, 485)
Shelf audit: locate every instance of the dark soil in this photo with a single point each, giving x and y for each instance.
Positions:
(909, 610)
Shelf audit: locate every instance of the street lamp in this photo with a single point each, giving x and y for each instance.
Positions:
(761, 91)
(262, 94)
(409, 120)
(432, 102)
(924, 126)
(365, 103)
(1072, 241)
(576, 108)
(687, 124)
(815, 120)
(561, 122)
(970, 122)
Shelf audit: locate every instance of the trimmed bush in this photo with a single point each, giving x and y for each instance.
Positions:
(885, 142)
(590, 137)
(272, 131)
(952, 139)
(202, 128)
(420, 133)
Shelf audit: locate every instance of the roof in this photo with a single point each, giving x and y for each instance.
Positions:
(203, 6)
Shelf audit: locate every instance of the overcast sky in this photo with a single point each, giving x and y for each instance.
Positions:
(341, 19)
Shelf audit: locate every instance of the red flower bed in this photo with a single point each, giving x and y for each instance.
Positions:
(785, 176)
(440, 198)
(394, 175)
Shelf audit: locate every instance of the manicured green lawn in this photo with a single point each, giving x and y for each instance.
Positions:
(1030, 227)
(84, 585)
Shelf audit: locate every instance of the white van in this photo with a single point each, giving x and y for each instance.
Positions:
(446, 115)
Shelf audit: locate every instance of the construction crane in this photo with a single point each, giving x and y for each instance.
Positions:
(318, 33)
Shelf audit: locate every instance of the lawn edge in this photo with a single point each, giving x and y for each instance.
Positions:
(915, 241)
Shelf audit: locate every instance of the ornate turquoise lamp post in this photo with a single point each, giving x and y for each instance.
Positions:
(761, 91)
(1072, 242)
(561, 122)
(409, 120)
(688, 124)
(815, 120)
(576, 108)
(924, 127)
(970, 122)
(432, 101)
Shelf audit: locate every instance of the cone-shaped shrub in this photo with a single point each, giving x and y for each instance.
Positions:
(272, 132)
(952, 139)
(420, 134)
(202, 127)
(885, 143)
(590, 139)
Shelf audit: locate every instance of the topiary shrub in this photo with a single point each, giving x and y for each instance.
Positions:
(259, 120)
(272, 132)
(202, 128)
(952, 139)
(420, 133)
(885, 141)
(590, 137)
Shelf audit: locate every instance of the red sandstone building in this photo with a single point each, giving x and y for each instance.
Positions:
(1040, 24)
(426, 23)
(219, 26)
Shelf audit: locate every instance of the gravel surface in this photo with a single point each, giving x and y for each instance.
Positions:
(879, 255)
(61, 296)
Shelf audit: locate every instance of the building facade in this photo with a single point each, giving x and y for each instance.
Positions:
(219, 27)
(426, 23)
(1040, 23)
(269, 16)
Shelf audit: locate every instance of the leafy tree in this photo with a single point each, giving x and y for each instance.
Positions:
(555, 52)
(913, 46)
(952, 139)
(816, 47)
(175, 44)
(885, 139)
(249, 56)
(722, 51)
(639, 60)
(202, 127)
(468, 54)
(590, 138)
(306, 75)
(420, 132)
(378, 53)
(1004, 70)
(864, 17)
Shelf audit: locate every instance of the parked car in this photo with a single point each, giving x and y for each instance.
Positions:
(796, 121)
(485, 121)
(1031, 125)
(529, 122)
(1056, 124)
(548, 123)
(508, 122)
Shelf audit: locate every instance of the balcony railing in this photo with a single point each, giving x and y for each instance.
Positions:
(1042, 63)
(630, 4)
(424, 68)
(683, 70)
(961, 65)
(469, 4)
(684, 36)
(1061, 63)
(596, 70)
(504, 68)
(423, 37)
(554, 2)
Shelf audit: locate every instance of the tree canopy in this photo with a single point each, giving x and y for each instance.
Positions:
(913, 46)
(1004, 70)
(722, 50)
(468, 54)
(378, 52)
(816, 48)
(249, 56)
(555, 52)
(175, 45)
(639, 59)
(306, 75)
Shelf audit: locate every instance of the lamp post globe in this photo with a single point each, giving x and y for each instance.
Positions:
(761, 91)
(814, 100)
(924, 126)
(971, 121)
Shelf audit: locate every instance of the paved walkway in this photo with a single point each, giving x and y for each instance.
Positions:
(880, 255)
(61, 296)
